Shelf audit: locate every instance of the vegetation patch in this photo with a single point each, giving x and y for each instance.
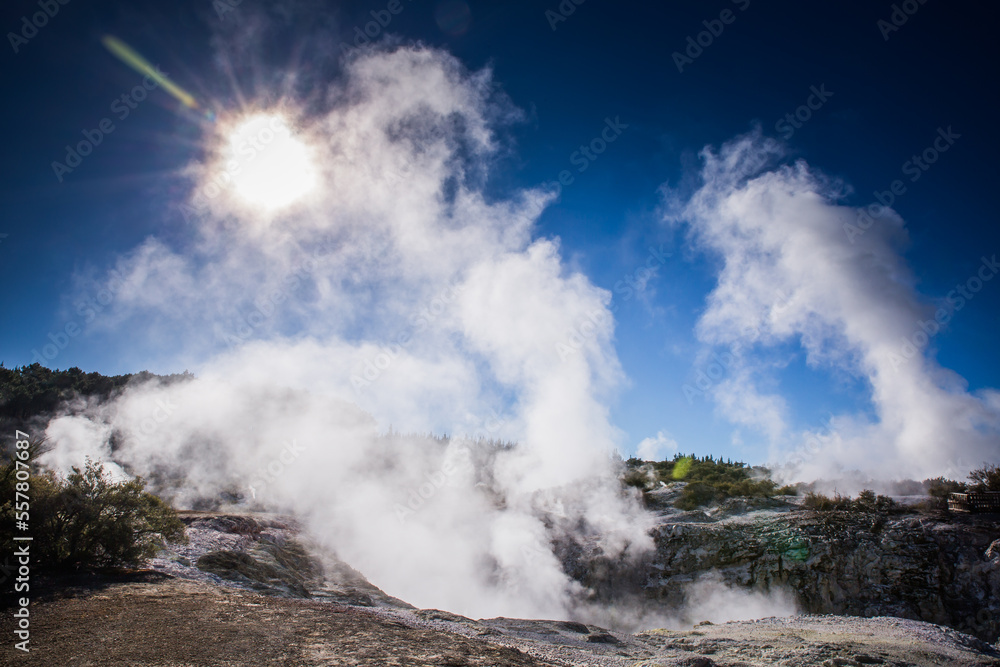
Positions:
(707, 480)
(34, 390)
(867, 501)
(88, 520)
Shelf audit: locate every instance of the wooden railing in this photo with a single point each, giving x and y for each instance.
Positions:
(974, 502)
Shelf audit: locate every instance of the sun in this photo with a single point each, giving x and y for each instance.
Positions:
(271, 168)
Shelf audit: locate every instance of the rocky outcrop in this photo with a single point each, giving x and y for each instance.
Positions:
(268, 554)
(931, 567)
(268, 567)
(922, 566)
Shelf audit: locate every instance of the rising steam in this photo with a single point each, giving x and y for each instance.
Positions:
(799, 269)
(396, 295)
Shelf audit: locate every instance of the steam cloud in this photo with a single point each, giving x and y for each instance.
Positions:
(400, 295)
(794, 270)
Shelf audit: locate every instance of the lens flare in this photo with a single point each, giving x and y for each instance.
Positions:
(128, 55)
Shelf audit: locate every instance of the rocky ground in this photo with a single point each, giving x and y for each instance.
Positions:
(246, 590)
(921, 565)
(153, 619)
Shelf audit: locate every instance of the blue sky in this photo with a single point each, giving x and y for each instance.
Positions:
(888, 93)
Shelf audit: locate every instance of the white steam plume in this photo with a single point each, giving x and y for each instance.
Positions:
(794, 271)
(397, 294)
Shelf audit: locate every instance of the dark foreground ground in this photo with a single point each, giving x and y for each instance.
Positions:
(158, 620)
(152, 619)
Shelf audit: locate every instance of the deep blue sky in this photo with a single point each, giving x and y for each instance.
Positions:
(608, 59)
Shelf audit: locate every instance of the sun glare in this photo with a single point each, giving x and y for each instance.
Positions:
(271, 168)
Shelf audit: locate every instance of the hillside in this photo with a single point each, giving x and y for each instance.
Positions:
(181, 614)
(854, 581)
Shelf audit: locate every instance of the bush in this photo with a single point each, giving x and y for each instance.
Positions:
(940, 488)
(637, 478)
(985, 479)
(708, 480)
(87, 520)
(867, 502)
(822, 503)
(751, 488)
(697, 494)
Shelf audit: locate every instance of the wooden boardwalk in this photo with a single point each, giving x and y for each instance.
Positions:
(975, 503)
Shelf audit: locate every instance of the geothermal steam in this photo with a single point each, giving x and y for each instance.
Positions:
(797, 269)
(397, 294)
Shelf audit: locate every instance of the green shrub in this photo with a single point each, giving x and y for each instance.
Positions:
(88, 520)
(940, 488)
(822, 503)
(750, 488)
(636, 478)
(695, 495)
(711, 480)
(708, 480)
(985, 479)
(866, 502)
